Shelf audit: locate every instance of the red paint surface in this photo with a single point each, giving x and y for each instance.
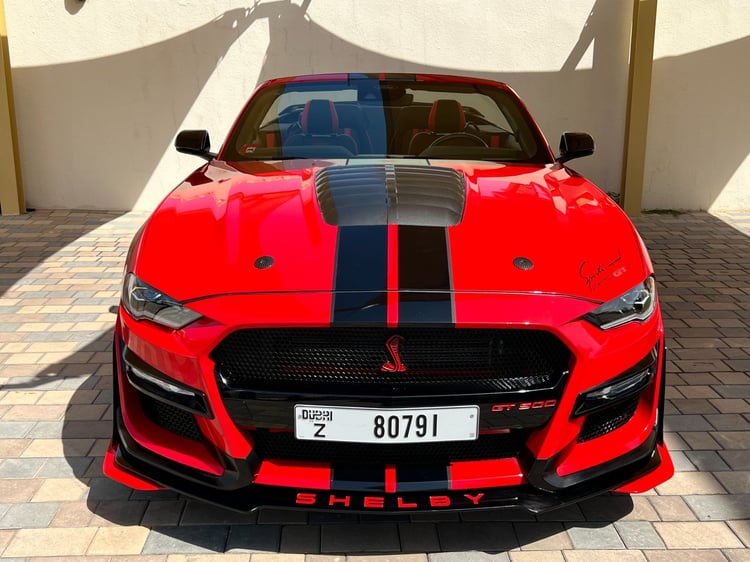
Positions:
(202, 242)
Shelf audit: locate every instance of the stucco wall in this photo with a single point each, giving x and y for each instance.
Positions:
(699, 123)
(103, 87)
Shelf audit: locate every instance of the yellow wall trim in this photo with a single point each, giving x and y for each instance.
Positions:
(11, 190)
(639, 93)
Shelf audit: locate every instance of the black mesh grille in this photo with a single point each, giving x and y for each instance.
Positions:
(170, 418)
(283, 445)
(606, 421)
(349, 360)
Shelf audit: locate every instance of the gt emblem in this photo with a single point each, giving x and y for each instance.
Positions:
(395, 365)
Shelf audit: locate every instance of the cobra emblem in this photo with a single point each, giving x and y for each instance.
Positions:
(394, 365)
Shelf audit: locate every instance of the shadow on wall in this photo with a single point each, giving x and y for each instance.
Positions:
(589, 99)
(708, 130)
(73, 6)
(117, 116)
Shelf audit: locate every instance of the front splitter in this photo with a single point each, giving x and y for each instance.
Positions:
(235, 488)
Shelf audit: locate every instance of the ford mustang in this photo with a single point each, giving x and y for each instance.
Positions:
(385, 293)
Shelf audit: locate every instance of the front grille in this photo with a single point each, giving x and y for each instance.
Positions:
(609, 419)
(283, 445)
(170, 418)
(349, 360)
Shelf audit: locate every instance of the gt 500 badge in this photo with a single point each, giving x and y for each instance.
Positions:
(524, 405)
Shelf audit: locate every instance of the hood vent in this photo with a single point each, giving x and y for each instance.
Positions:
(390, 194)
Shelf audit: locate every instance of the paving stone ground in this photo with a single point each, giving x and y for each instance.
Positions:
(60, 274)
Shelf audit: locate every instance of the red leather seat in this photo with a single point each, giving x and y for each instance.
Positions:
(319, 126)
(446, 118)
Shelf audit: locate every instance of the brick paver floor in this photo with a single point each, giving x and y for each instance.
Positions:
(59, 277)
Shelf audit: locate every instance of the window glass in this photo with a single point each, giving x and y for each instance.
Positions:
(371, 118)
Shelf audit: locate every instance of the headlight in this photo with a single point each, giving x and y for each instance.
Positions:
(637, 304)
(141, 301)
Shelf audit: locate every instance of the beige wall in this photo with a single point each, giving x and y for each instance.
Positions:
(699, 123)
(103, 87)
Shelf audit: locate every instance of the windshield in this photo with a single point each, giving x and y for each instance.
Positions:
(376, 118)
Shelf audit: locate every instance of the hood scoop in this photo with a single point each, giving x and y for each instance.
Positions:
(359, 195)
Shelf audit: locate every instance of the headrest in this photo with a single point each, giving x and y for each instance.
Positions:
(446, 116)
(319, 118)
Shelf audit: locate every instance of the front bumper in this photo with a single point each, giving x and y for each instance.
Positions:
(235, 489)
(551, 467)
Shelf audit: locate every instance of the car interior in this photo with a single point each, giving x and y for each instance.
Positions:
(425, 124)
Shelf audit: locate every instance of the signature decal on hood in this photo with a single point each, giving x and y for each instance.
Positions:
(595, 274)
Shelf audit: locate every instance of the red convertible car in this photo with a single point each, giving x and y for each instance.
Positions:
(385, 294)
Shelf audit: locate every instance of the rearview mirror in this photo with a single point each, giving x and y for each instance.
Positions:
(195, 142)
(575, 145)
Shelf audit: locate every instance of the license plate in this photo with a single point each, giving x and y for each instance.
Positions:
(385, 425)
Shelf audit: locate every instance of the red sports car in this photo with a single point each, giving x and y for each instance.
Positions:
(385, 293)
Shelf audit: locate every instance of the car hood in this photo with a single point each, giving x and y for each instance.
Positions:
(297, 226)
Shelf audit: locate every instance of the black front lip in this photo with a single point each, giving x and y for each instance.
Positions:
(235, 489)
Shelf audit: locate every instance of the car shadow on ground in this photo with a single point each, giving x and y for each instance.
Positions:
(180, 524)
(41, 248)
(702, 266)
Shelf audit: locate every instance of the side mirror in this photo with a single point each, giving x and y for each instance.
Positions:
(575, 145)
(195, 142)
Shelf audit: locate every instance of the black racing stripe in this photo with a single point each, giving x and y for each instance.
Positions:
(424, 275)
(360, 280)
(358, 478)
(423, 258)
(360, 308)
(425, 308)
(421, 478)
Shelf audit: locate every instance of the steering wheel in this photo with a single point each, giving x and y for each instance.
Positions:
(472, 139)
(471, 128)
